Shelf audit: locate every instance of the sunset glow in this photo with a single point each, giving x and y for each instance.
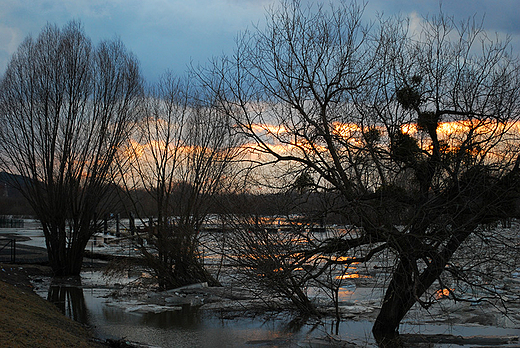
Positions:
(270, 129)
(346, 130)
(451, 132)
(410, 128)
(276, 139)
(134, 150)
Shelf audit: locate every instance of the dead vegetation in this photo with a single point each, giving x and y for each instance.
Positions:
(26, 320)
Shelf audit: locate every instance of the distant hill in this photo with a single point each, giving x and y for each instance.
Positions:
(7, 183)
(12, 202)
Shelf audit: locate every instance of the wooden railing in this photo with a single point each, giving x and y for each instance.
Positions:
(12, 244)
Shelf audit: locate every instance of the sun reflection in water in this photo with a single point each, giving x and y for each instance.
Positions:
(352, 276)
(443, 293)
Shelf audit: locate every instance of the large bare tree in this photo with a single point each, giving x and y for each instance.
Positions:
(180, 157)
(414, 131)
(66, 107)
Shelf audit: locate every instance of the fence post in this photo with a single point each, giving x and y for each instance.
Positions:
(105, 224)
(117, 226)
(132, 224)
(13, 251)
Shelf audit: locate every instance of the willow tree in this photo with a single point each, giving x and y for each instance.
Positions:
(414, 131)
(180, 157)
(66, 106)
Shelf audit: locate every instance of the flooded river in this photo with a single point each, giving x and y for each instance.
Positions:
(186, 326)
(90, 301)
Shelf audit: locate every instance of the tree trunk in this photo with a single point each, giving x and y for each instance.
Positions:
(188, 270)
(405, 288)
(65, 261)
(399, 298)
(69, 265)
(302, 302)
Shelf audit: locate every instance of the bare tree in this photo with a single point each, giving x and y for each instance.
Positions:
(259, 241)
(414, 132)
(181, 157)
(66, 106)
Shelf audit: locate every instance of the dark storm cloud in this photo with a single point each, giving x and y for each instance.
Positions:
(169, 34)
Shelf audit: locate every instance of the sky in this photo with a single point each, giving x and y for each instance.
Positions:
(172, 34)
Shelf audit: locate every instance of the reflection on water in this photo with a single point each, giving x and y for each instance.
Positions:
(191, 327)
(186, 318)
(70, 300)
(294, 325)
(352, 276)
(186, 327)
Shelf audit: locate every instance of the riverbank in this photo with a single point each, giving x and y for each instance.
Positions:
(125, 302)
(27, 320)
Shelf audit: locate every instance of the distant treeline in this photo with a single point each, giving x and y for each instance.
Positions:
(12, 203)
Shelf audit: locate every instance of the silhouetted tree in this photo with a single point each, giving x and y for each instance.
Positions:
(180, 155)
(390, 120)
(65, 107)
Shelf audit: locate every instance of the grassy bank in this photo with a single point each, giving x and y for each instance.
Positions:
(27, 320)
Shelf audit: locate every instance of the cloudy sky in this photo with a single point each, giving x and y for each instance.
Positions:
(171, 34)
